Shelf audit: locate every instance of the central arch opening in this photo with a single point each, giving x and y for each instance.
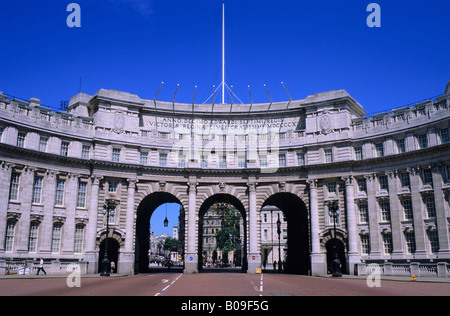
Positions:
(151, 248)
(294, 254)
(222, 238)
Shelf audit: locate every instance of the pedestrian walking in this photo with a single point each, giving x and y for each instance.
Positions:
(113, 266)
(41, 267)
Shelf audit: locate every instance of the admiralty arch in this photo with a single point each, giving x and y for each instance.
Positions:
(388, 174)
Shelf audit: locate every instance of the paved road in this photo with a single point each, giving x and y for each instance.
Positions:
(216, 284)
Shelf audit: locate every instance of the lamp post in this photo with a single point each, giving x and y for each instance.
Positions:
(279, 243)
(336, 263)
(108, 210)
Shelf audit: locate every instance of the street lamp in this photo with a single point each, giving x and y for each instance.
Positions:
(108, 210)
(279, 243)
(333, 210)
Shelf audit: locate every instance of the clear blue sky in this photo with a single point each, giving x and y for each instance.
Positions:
(312, 46)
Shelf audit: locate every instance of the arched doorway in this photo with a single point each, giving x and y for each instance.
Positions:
(113, 253)
(332, 246)
(295, 212)
(144, 212)
(226, 260)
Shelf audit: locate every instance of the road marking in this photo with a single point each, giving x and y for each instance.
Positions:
(261, 287)
(167, 287)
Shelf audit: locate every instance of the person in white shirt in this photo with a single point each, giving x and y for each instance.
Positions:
(41, 267)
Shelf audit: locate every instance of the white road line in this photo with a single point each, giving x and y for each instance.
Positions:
(167, 287)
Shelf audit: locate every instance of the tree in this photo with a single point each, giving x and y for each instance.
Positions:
(230, 232)
(171, 244)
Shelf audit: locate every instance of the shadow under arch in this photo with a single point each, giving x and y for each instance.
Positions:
(222, 197)
(144, 212)
(296, 214)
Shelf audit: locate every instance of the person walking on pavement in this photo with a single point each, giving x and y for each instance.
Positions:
(41, 266)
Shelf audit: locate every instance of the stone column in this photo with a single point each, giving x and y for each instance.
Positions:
(318, 260)
(126, 261)
(68, 233)
(441, 217)
(25, 193)
(48, 198)
(91, 231)
(5, 173)
(396, 217)
(374, 227)
(418, 214)
(191, 255)
(353, 254)
(254, 256)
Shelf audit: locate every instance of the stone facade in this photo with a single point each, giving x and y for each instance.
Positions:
(388, 173)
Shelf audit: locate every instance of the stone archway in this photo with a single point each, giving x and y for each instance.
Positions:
(296, 214)
(144, 212)
(226, 198)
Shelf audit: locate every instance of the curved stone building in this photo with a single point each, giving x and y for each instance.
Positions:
(389, 175)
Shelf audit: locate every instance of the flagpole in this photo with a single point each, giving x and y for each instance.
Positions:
(223, 53)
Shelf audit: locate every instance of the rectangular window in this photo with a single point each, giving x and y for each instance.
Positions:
(365, 244)
(383, 183)
(362, 185)
(423, 141)
(64, 148)
(43, 144)
(407, 209)
(162, 160)
(358, 153)
(37, 189)
(401, 145)
(263, 161)
(222, 161)
(410, 242)
(79, 237)
(81, 196)
(33, 237)
(385, 211)
(331, 186)
(112, 186)
(59, 194)
(301, 159)
(85, 152)
(430, 206)
(143, 158)
(56, 237)
(14, 188)
(328, 155)
(427, 176)
(434, 240)
(181, 160)
(445, 135)
(241, 161)
(10, 231)
(282, 160)
(21, 139)
(404, 180)
(116, 154)
(379, 148)
(363, 213)
(447, 173)
(387, 241)
(204, 162)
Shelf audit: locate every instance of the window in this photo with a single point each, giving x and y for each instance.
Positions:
(363, 213)
(43, 144)
(21, 139)
(33, 237)
(162, 160)
(112, 217)
(14, 188)
(404, 180)
(282, 160)
(79, 237)
(365, 244)
(301, 159)
(263, 161)
(423, 141)
(447, 173)
(143, 158)
(362, 185)
(331, 186)
(407, 209)
(37, 189)
(112, 186)
(379, 148)
(385, 211)
(85, 152)
(116, 154)
(430, 206)
(59, 194)
(81, 196)
(410, 242)
(64, 148)
(9, 238)
(1, 133)
(427, 176)
(434, 240)
(387, 241)
(204, 162)
(445, 135)
(222, 161)
(181, 160)
(56, 237)
(401, 145)
(241, 161)
(358, 153)
(383, 182)
(328, 155)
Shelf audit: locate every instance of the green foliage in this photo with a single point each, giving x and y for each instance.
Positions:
(230, 232)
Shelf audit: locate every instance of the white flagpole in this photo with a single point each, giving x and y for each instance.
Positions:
(223, 53)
